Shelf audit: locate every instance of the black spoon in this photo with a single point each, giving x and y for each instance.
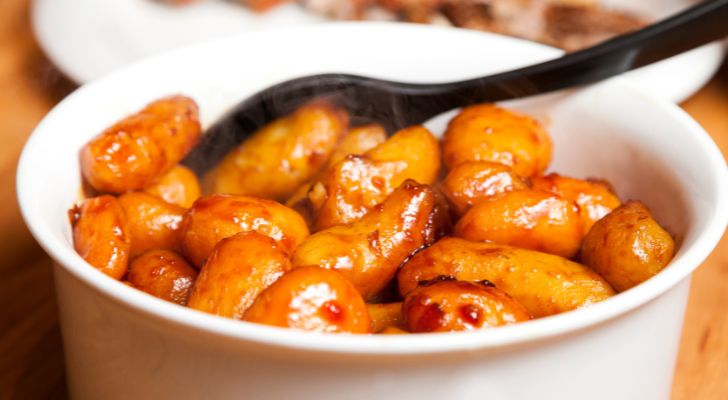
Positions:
(396, 104)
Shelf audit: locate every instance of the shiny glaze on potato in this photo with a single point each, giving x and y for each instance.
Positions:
(312, 299)
(368, 252)
(163, 274)
(355, 185)
(486, 132)
(213, 218)
(531, 219)
(385, 315)
(282, 155)
(594, 198)
(178, 186)
(101, 235)
(545, 284)
(152, 223)
(472, 182)
(136, 151)
(239, 269)
(627, 246)
(451, 306)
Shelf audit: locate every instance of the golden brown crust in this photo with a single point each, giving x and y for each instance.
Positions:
(472, 182)
(386, 315)
(163, 274)
(178, 186)
(152, 223)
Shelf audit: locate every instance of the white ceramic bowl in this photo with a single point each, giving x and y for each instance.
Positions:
(122, 343)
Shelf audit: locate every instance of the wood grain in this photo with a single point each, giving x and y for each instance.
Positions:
(31, 356)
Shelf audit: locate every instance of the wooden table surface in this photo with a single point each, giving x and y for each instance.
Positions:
(31, 355)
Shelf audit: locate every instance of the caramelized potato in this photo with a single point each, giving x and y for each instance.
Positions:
(178, 186)
(486, 132)
(163, 274)
(152, 223)
(282, 155)
(393, 330)
(545, 284)
(532, 219)
(384, 316)
(594, 198)
(450, 306)
(213, 218)
(101, 235)
(358, 183)
(312, 299)
(472, 182)
(368, 252)
(627, 246)
(136, 151)
(239, 269)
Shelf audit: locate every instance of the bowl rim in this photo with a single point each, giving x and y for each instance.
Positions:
(681, 266)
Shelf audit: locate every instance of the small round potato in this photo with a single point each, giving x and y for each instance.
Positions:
(627, 246)
(136, 151)
(238, 270)
(486, 132)
(282, 155)
(152, 222)
(351, 188)
(368, 252)
(532, 219)
(451, 306)
(594, 198)
(393, 330)
(213, 218)
(388, 315)
(178, 186)
(101, 235)
(473, 182)
(164, 274)
(545, 284)
(312, 299)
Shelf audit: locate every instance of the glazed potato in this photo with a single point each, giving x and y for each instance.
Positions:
(178, 186)
(594, 198)
(545, 284)
(358, 183)
(451, 306)
(358, 140)
(532, 219)
(393, 330)
(388, 315)
(213, 218)
(472, 182)
(152, 223)
(164, 274)
(312, 299)
(238, 270)
(627, 246)
(282, 155)
(486, 132)
(136, 151)
(368, 252)
(101, 235)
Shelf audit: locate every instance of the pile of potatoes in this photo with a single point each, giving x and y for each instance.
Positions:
(314, 225)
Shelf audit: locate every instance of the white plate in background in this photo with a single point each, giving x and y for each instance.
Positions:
(87, 39)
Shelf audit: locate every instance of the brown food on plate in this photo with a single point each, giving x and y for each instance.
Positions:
(486, 132)
(451, 306)
(545, 284)
(368, 252)
(239, 269)
(627, 246)
(281, 156)
(136, 151)
(312, 299)
(152, 223)
(101, 235)
(163, 274)
(594, 198)
(531, 219)
(216, 217)
(178, 186)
